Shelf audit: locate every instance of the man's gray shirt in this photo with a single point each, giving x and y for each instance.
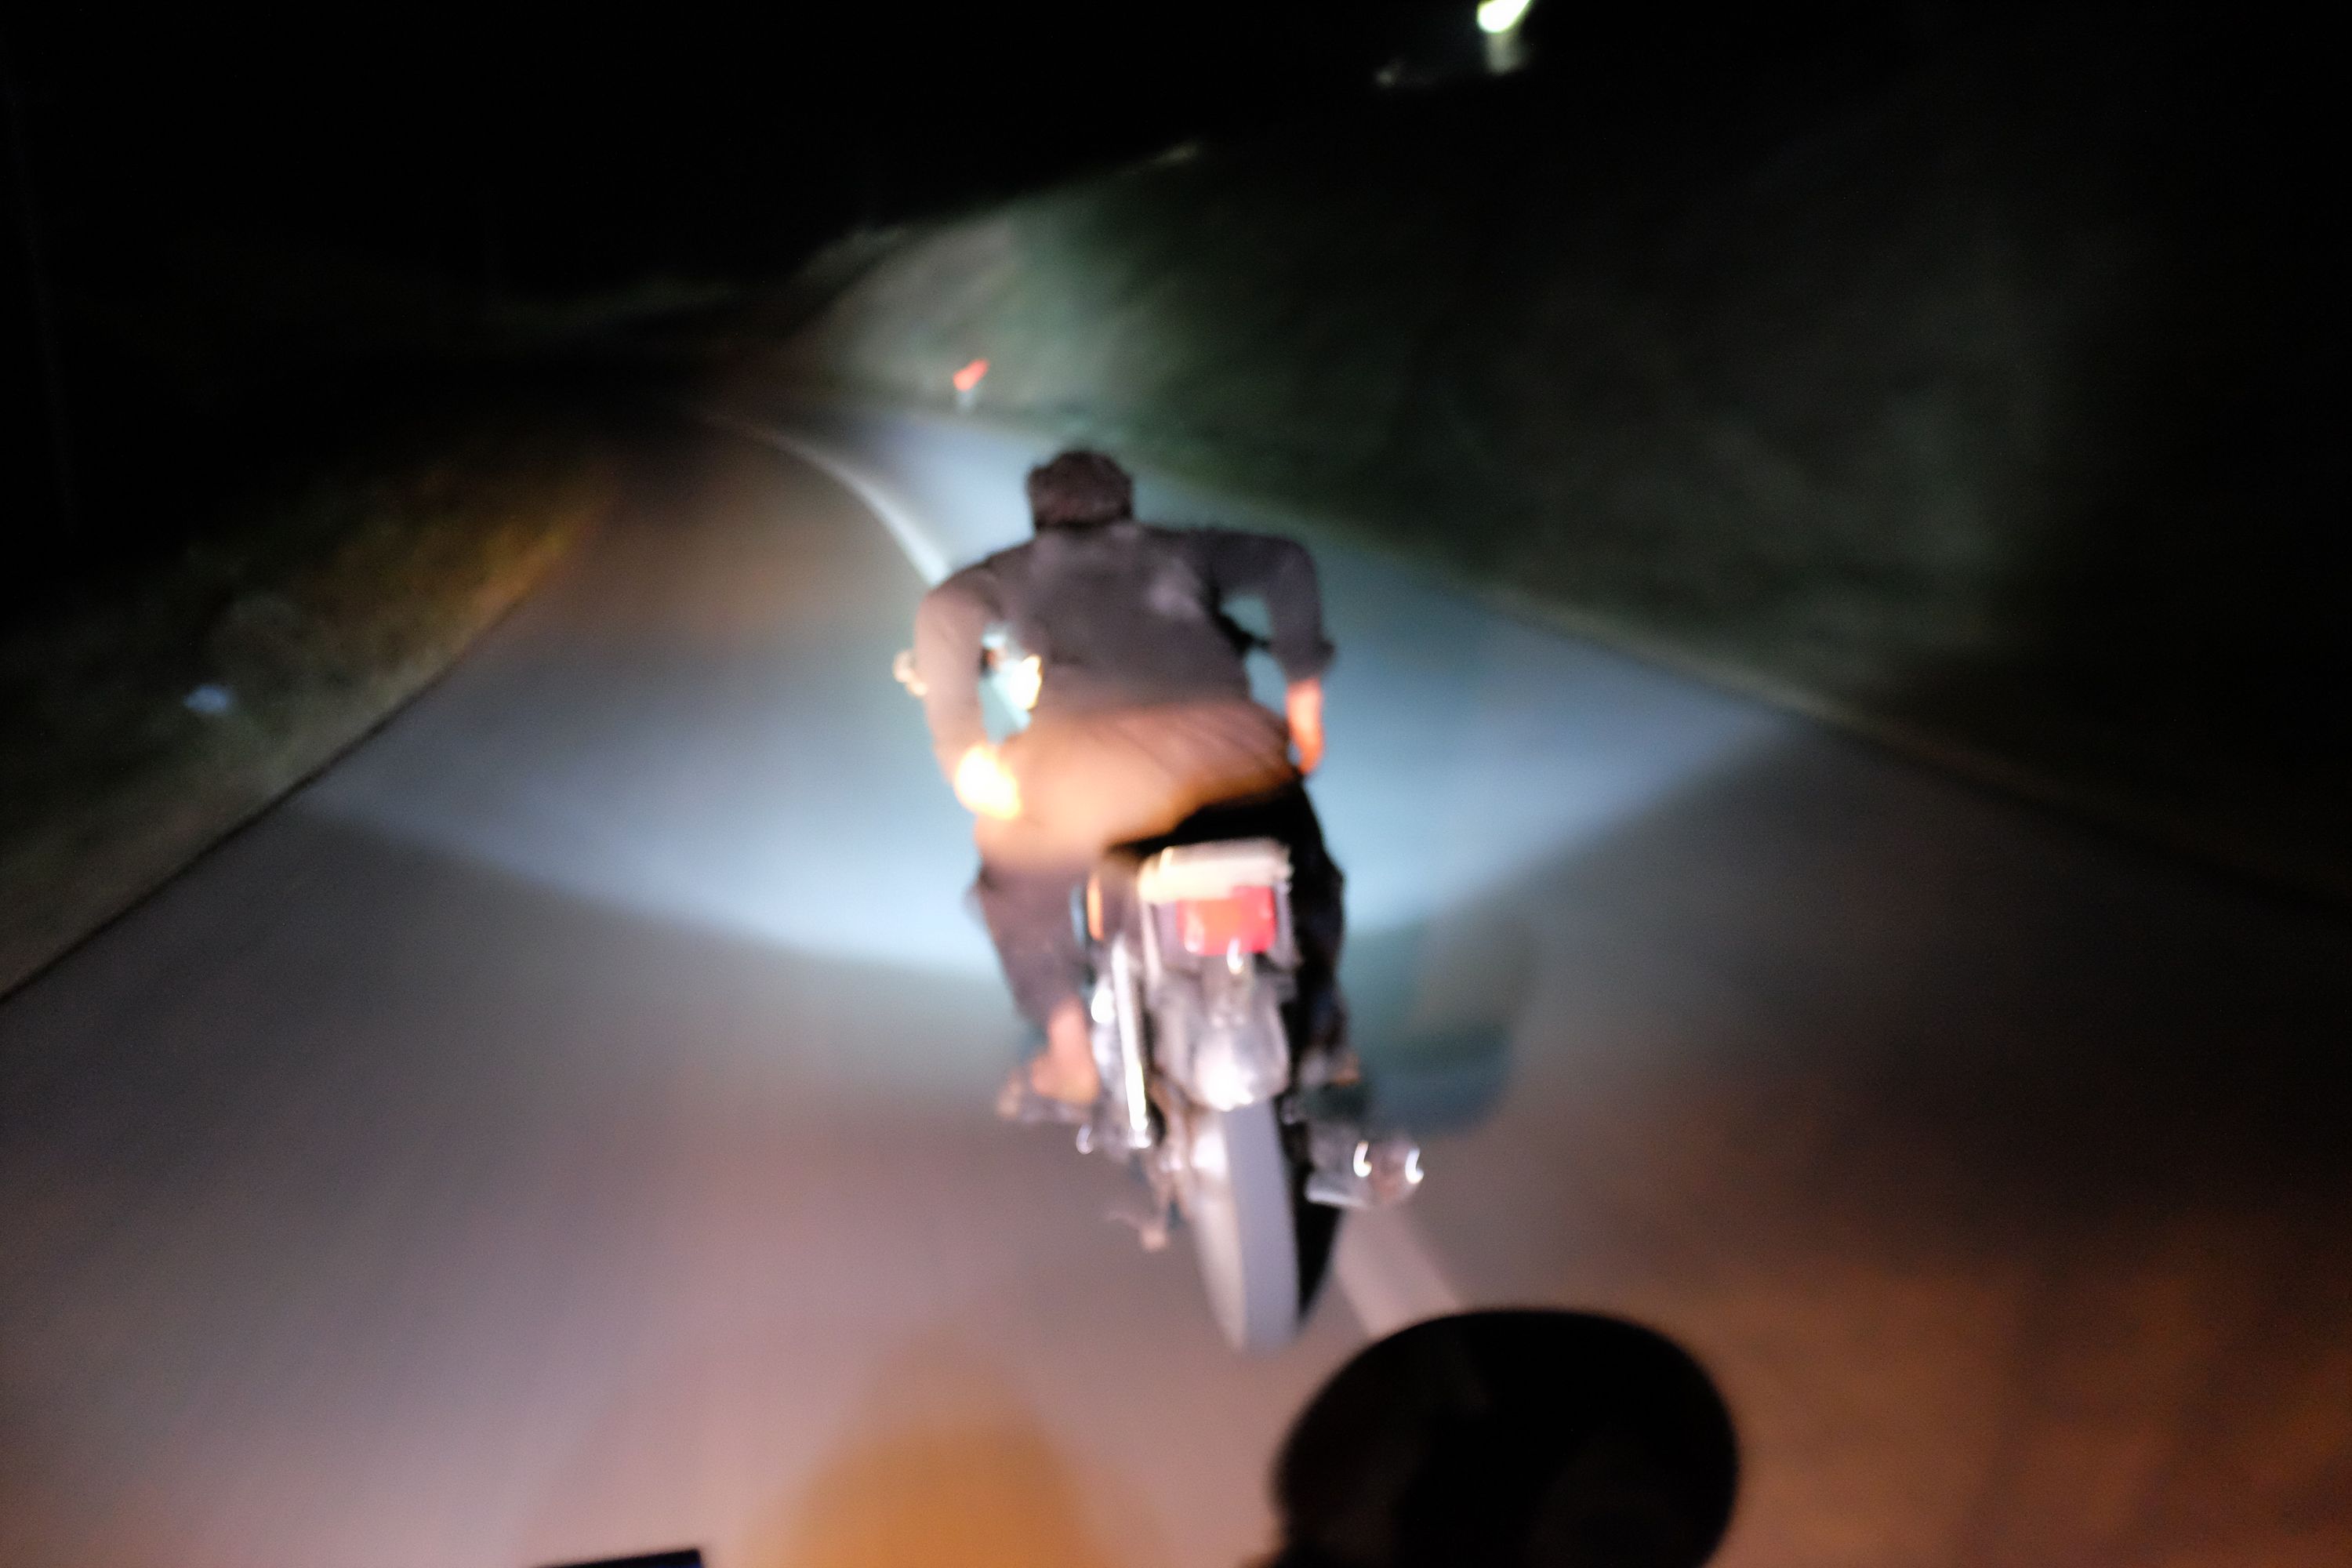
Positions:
(1119, 615)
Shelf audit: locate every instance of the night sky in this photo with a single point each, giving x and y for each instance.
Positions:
(479, 158)
(177, 188)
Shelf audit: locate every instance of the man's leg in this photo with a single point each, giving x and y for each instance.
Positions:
(1028, 915)
(1087, 782)
(1319, 919)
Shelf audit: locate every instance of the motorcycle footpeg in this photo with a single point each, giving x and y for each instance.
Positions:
(1352, 1171)
(1106, 1132)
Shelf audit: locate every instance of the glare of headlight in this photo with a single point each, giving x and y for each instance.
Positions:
(1500, 16)
(1021, 680)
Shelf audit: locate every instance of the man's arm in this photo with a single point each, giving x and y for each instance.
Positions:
(948, 625)
(1281, 573)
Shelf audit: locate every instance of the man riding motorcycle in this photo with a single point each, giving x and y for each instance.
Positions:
(1141, 716)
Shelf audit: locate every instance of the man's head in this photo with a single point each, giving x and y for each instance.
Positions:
(1077, 489)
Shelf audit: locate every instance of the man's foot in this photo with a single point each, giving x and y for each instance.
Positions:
(1064, 1071)
(1016, 1101)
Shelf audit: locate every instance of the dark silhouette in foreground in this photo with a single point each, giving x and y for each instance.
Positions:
(1529, 1438)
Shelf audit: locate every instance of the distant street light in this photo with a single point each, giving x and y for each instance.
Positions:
(1507, 49)
(1500, 16)
(967, 382)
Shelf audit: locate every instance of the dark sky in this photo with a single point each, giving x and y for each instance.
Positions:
(600, 143)
(195, 203)
(481, 155)
(572, 149)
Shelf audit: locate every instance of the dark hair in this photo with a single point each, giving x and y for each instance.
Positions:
(1077, 489)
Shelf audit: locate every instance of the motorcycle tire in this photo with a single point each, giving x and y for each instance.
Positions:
(1240, 1209)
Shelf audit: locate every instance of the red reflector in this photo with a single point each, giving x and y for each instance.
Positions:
(1243, 918)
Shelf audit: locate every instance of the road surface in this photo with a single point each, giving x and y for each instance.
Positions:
(561, 1129)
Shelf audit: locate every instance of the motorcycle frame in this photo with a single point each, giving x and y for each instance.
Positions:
(1131, 956)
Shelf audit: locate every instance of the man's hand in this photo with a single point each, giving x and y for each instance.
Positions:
(985, 785)
(1303, 705)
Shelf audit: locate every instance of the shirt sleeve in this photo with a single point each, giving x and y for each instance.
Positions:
(948, 625)
(1281, 573)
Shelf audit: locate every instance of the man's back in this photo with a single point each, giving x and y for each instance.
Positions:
(1119, 615)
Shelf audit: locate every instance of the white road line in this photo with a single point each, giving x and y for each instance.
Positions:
(921, 548)
(1384, 1268)
(1382, 1263)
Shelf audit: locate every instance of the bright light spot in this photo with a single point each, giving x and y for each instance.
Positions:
(210, 700)
(969, 378)
(1500, 16)
(1021, 680)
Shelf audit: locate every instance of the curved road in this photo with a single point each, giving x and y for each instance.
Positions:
(561, 1129)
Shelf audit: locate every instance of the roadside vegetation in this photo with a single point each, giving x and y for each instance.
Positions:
(145, 718)
(304, 482)
(1972, 404)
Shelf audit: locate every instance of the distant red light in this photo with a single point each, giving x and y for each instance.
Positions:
(969, 375)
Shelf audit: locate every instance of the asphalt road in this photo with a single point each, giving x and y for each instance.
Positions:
(562, 1129)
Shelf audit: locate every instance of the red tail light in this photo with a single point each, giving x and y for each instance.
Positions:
(1243, 918)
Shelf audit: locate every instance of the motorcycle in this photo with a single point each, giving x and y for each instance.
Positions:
(1216, 1090)
(1209, 1089)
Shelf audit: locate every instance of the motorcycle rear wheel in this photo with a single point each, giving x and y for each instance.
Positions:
(1239, 1208)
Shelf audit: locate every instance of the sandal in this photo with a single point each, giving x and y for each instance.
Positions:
(1018, 1102)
